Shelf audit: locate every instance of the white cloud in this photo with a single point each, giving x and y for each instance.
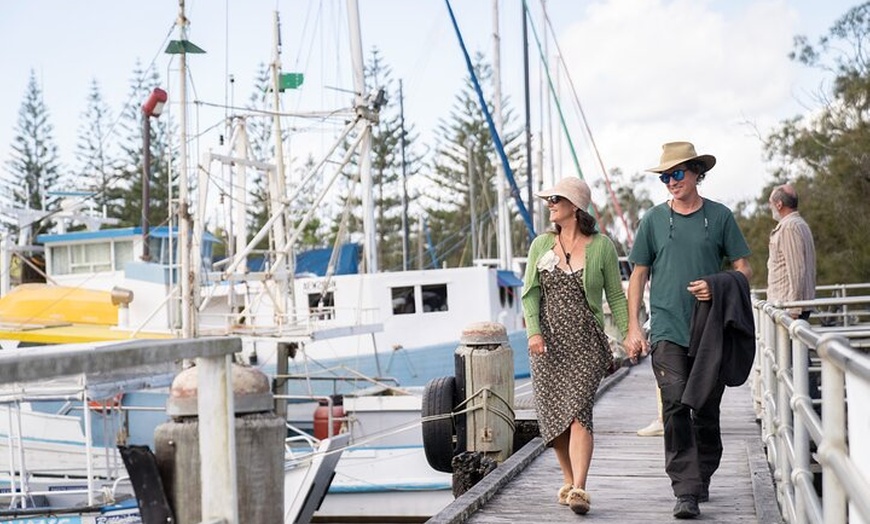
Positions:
(653, 71)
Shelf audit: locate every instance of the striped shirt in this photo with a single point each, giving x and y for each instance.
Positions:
(791, 264)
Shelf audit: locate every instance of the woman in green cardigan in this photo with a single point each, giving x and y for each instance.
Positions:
(568, 270)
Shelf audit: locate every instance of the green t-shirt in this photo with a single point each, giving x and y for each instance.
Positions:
(679, 249)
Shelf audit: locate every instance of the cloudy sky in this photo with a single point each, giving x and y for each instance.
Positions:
(714, 72)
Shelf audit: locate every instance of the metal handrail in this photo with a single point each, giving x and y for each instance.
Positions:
(791, 425)
(215, 400)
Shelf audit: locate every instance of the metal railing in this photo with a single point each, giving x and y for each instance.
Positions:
(800, 439)
(219, 498)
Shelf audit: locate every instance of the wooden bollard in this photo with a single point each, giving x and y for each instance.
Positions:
(485, 374)
(259, 435)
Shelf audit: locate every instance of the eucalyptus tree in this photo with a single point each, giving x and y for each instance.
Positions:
(825, 152)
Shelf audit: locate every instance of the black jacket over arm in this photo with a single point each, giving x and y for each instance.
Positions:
(722, 339)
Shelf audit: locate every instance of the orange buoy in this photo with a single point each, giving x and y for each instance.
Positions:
(321, 418)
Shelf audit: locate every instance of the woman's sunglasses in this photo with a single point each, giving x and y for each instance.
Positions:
(677, 174)
(554, 199)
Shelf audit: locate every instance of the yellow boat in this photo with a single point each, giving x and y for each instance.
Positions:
(48, 314)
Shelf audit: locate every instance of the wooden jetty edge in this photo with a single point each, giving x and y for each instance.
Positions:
(627, 481)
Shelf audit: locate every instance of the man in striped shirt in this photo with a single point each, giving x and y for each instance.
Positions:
(791, 264)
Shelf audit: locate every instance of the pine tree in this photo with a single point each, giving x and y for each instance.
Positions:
(260, 136)
(125, 195)
(34, 169)
(386, 170)
(449, 205)
(94, 152)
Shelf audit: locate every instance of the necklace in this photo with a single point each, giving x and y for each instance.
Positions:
(567, 253)
(671, 220)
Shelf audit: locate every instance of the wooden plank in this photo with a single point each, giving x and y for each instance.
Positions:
(627, 481)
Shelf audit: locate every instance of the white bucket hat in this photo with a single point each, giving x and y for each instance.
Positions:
(571, 187)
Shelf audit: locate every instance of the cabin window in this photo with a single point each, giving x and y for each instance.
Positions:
(403, 300)
(59, 260)
(123, 254)
(321, 311)
(434, 297)
(506, 296)
(90, 258)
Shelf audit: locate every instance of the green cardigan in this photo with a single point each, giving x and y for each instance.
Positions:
(601, 274)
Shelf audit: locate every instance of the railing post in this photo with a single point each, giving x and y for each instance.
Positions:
(217, 443)
(768, 428)
(784, 419)
(833, 428)
(801, 466)
(756, 385)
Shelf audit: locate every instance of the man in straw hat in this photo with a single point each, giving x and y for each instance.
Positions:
(679, 242)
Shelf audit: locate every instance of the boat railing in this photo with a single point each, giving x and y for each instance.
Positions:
(216, 427)
(813, 435)
(300, 321)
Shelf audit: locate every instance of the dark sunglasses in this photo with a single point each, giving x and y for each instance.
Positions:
(677, 174)
(554, 199)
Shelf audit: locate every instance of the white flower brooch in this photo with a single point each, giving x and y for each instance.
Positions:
(548, 261)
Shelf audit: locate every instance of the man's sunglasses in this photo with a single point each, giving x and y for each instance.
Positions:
(677, 174)
(554, 199)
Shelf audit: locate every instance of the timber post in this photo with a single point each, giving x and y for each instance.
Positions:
(484, 411)
(258, 444)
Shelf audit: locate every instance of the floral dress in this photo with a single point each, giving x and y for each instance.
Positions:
(566, 377)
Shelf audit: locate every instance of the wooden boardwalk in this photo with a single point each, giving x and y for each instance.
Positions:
(627, 481)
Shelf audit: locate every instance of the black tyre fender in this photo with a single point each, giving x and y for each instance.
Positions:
(439, 434)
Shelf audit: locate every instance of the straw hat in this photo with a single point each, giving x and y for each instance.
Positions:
(676, 153)
(572, 188)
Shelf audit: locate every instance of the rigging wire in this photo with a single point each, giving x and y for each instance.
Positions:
(561, 59)
(515, 192)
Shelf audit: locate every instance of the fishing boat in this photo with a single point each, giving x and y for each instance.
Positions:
(138, 282)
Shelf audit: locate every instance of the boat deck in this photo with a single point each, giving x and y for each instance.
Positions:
(627, 481)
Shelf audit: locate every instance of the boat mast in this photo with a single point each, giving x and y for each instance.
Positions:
(277, 180)
(370, 254)
(405, 246)
(188, 309)
(504, 234)
(528, 113)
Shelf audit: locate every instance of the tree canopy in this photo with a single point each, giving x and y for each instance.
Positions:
(825, 155)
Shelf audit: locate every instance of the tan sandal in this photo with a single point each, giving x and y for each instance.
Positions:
(562, 497)
(579, 501)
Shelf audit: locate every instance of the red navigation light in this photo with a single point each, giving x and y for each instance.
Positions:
(154, 105)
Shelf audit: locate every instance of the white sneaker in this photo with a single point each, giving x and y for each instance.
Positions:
(655, 429)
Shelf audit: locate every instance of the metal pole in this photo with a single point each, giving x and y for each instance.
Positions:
(146, 184)
(528, 130)
(405, 230)
(188, 329)
(471, 197)
(834, 439)
(278, 181)
(370, 254)
(503, 237)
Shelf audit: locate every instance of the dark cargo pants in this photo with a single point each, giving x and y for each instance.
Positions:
(693, 442)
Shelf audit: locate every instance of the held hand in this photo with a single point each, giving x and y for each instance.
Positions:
(700, 289)
(536, 345)
(635, 344)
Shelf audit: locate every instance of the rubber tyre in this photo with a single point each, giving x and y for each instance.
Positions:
(439, 397)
